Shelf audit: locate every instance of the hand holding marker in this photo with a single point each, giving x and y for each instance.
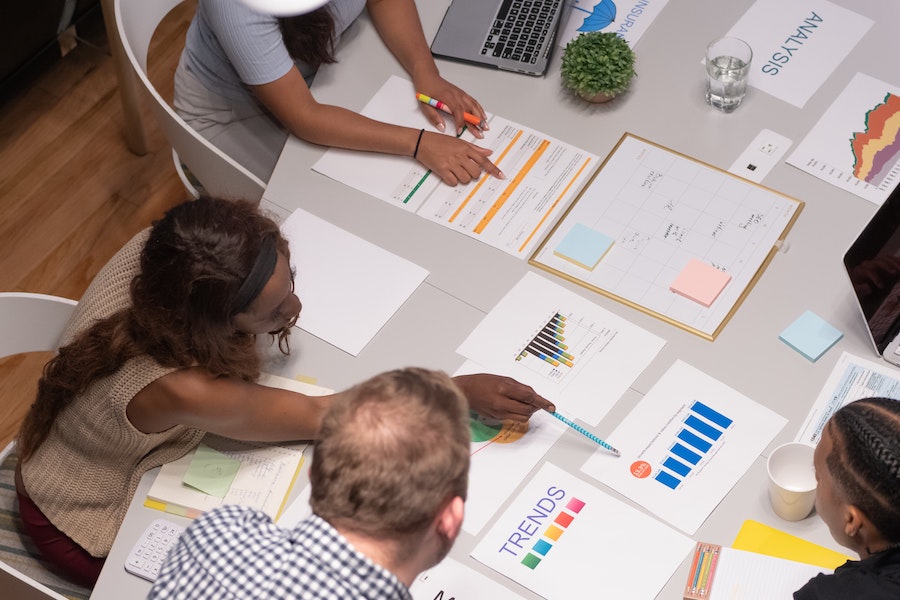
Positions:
(469, 117)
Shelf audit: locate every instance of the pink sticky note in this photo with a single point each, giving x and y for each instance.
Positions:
(700, 282)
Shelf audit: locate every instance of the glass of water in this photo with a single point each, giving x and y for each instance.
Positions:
(727, 69)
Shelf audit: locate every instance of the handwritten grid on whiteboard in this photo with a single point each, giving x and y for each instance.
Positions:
(662, 208)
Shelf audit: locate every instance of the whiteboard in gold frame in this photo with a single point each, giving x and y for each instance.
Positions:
(661, 209)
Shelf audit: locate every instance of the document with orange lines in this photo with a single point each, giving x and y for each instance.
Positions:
(543, 175)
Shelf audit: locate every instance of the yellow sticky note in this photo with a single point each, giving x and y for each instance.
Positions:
(762, 539)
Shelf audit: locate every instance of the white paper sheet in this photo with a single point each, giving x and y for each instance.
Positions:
(543, 175)
(349, 287)
(608, 352)
(854, 145)
(797, 44)
(851, 378)
(741, 575)
(685, 445)
(631, 18)
(564, 538)
(452, 580)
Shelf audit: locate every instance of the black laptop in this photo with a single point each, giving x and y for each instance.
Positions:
(873, 266)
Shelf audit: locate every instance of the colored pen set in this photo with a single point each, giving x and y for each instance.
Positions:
(703, 568)
(469, 117)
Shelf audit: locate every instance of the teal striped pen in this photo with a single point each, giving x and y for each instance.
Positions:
(585, 432)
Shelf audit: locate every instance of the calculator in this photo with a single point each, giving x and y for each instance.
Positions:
(147, 556)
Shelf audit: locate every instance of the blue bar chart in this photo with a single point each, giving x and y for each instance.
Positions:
(697, 436)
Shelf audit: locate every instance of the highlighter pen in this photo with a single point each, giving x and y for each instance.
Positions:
(469, 117)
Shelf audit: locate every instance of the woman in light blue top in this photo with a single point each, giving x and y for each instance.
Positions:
(243, 83)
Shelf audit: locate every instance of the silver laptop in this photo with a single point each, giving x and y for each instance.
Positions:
(873, 265)
(516, 35)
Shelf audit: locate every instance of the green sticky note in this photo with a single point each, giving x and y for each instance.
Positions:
(211, 472)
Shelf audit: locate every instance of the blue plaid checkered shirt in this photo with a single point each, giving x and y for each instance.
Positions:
(236, 552)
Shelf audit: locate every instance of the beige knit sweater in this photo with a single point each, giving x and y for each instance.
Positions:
(84, 474)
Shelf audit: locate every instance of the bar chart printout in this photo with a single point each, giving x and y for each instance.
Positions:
(700, 430)
(549, 344)
(685, 445)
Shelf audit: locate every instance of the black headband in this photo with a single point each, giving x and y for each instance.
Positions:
(258, 277)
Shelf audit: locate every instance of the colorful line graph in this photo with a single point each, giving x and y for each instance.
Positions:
(876, 150)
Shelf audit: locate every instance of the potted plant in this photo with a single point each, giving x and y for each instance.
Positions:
(597, 65)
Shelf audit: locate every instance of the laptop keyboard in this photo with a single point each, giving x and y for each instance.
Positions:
(520, 29)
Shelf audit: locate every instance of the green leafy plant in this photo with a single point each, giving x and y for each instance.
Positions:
(597, 63)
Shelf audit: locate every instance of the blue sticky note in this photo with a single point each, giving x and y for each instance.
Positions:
(810, 335)
(584, 246)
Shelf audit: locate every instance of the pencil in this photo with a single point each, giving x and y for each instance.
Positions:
(585, 432)
(469, 117)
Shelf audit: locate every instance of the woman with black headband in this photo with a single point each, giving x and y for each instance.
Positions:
(162, 349)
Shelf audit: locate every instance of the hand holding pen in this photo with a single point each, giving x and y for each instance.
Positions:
(476, 123)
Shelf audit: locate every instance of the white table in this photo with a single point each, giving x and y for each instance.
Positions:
(665, 105)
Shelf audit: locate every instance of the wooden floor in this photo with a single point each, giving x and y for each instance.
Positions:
(71, 193)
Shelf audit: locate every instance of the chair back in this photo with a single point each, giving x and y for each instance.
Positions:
(21, 587)
(218, 173)
(32, 322)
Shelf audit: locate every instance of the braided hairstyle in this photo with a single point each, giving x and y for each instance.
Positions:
(865, 460)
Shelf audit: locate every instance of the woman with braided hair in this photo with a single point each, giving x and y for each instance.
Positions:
(858, 496)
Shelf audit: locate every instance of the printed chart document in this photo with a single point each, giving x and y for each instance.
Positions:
(628, 19)
(562, 536)
(662, 209)
(503, 454)
(571, 351)
(451, 579)
(349, 287)
(798, 44)
(542, 176)
(684, 446)
(851, 379)
(856, 143)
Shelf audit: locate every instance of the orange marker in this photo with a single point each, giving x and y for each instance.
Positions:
(469, 117)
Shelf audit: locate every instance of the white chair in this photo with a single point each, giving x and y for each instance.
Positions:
(32, 322)
(28, 323)
(219, 174)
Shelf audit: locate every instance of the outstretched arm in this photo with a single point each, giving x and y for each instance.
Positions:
(501, 397)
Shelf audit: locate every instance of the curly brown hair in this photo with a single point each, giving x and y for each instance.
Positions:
(191, 268)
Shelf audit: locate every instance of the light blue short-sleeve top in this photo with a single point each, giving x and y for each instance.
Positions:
(229, 45)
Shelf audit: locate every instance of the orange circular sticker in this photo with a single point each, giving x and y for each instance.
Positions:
(640, 469)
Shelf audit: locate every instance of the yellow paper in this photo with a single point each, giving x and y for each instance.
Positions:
(757, 537)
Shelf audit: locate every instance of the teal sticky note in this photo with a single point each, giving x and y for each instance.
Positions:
(810, 335)
(211, 472)
(584, 246)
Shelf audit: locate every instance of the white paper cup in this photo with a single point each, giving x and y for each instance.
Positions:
(792, 481)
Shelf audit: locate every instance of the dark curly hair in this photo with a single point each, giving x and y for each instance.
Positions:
(192, 266)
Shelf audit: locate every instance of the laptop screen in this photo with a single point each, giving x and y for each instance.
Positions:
(873, 264)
